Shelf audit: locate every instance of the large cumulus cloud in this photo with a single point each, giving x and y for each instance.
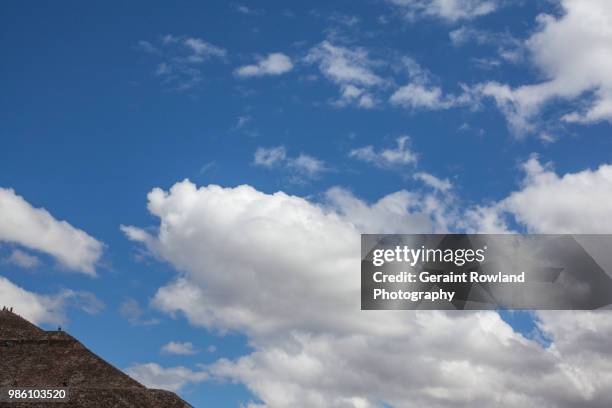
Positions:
(285, 271)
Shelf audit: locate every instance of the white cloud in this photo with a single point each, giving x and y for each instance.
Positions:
(23, 259)
(34, 307)
(399, 211)
(575, 203)
(274, 64)
(307, 165)
(285, 272)
(421, 93)
(202, 49)
(351, 94)
(303, 165)
(574, 54)
(572, 203)
(547, 137)
(343, 65)
(351, 69)
(183, 349)
(451, 10)
(50, 309)
(581, 338)
(485, 219)
(418, 96)
(284, 217)
(173, 379)
(433, 181)
(399, 156)
(546, 202)
(268, 157)
(37, 229)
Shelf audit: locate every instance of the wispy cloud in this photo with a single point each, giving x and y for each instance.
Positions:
(307, 165)
(242, 121)
(244, 9)
(131, 310)
(401, 155)
(398, 159)
(351, 69)
(450, 10)
(181, 59)
(270, 156)
(208, 167)
(508, 48)
(422, 93)
(46, 308)
(433, 181)
(22, 259)
(302, 166)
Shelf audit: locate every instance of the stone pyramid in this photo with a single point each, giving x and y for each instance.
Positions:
(32, 357)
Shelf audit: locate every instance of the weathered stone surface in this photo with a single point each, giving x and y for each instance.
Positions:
(31, 357)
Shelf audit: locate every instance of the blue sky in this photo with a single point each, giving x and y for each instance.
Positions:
(473, 111)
